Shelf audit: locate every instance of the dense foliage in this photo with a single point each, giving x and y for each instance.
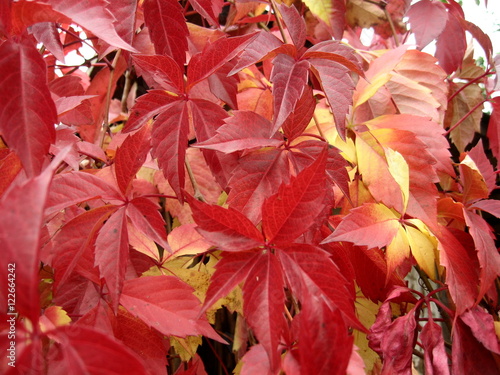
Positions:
(245, 186)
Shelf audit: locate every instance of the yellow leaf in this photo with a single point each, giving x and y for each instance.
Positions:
(321, 9)
(366, 312)
(53, 316)
(400, 171)
(186, 347)
(397, 251)
(365, 90)
(423, 247)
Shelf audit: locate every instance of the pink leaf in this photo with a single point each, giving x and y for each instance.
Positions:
(488, 205)
(27, 112)
(295, 208)
(428, 20)
(167, 28)
(166, 304)
(112, 254)
(451, 45)
(227, 229)
(294, 23)
(372, 225)
(494, 128)
(436, 360)
(479, 157)
(94, 16)
(71, 188)
(298, 120)
(209, 9)
(244, 130)
(46, 33)
(145, 216)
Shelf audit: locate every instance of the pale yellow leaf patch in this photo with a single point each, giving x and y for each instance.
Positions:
(186, 347)
(365, 90)
(423, 247)
(400, 171)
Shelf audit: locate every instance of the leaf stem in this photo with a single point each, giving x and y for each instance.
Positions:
(465, 116)
(316, 122)
(278, 20)
(197, 193)
(105, 125)
(472, 81)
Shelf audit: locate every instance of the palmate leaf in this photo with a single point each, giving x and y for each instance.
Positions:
(295, 208)
(27, 112)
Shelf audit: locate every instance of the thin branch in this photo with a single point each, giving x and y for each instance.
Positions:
(465, 116)
(126, 91)
(105, 125)
(472, 81)
(278, 20)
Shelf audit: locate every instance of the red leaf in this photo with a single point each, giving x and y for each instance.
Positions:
(71, 188)
(167, 28)
(451, 45)
(338, 88)
(482, 327)
(488, 205)
(160, 70)
(295, 208)
(147, 106)
(214, 56)
(487, 253)
(256, 362)
(310, 271)
(461, 278)
(436, 360)
(336, 52)
(148, 344)
(231, 270)
(264, 296)
(428, 20)
(469, 355)
(80, 350)
(145, 216)
(298, 120)
(479, 157)
(372, 225)
(75, 238)
(20, 229)
(112, 254)
(209, 9)
(46, 33)
(166, 304)
(257, 177)
(290, 80)
(494, 128)
(130, 157)
(10, 166)
(94, 16)
(328, 350)
(294, 23)
(27, 13)
(244, 130)
(27, 112)
(170, 140)
(394, 340)
(225, 228)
